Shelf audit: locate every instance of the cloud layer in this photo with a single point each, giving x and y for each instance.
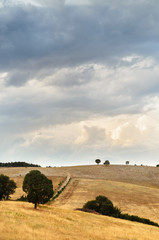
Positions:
(79, 81)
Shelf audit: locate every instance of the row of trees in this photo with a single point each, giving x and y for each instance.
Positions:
(98, 161)
(38, 188)
(18, 164)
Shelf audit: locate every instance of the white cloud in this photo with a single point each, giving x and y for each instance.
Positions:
(79, 78)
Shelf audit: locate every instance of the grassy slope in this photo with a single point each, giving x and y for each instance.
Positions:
(19, 221)
(148, 176)
(131, 198)
(133, 188)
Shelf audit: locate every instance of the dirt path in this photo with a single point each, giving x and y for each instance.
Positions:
(69, 193)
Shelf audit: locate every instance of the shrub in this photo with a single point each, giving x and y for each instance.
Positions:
(104, 206)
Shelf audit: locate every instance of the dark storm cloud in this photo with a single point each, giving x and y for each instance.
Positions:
(68, 62)
(32, 38)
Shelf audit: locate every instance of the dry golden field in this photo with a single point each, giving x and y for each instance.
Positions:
(135, 189)
(131, 198)
(143, 175)
(19, 221)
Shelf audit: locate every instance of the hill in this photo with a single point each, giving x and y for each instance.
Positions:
(135, 189)
(19, 221)
(141, 175)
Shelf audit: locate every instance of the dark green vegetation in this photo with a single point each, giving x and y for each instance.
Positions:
(18, 164)
(157, 165)
(7, 187)
(38, 187)
(98, 161)
(60, 191)
(106, 162)
(104, 206)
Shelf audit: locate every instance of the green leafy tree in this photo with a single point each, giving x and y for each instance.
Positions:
(127, 162)
(7, 187)
(38, 187)
(97, 161)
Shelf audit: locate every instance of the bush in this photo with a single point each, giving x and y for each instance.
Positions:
(104, 206)
(22, 199)
(157, 165)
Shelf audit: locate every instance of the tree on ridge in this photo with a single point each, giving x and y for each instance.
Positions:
(98, 161)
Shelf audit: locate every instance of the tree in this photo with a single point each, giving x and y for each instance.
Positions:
(97, 161)
(38, 187)
(7, 187)
(106, 162)
(127, 162)
(157, 165)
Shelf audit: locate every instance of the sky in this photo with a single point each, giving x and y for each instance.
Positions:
(79, 80)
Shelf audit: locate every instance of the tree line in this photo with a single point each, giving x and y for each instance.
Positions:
(18, 164)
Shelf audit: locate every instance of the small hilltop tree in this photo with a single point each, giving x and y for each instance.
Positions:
(127, 162)
(7, 187)
(106, 162)
(98, 161)
(38, 187)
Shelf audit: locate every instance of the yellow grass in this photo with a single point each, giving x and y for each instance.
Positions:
(131, 198)
(135, 189)
(19, 221)
(148, 176)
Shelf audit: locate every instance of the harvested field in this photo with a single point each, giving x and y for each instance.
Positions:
(131, 198)
(19, 221)
(141, 175)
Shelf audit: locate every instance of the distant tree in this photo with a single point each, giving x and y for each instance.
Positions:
(38, 187)
(127, 162)
(98, 161)
(7, 187)
(106, 162)
(157, 165)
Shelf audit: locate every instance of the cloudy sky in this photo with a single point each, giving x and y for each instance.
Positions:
(79, 80)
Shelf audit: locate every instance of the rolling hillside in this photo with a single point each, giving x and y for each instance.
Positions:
(143, 175)
(135, 189)
(19, 221)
